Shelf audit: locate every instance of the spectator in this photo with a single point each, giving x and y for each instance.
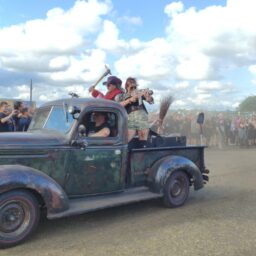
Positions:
(24, 120)
(6, 117)
(220, 130)
(242, 133)
(18, 105)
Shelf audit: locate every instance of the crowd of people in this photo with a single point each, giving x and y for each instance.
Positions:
(218, 130)
(215, 130)
(14, 118)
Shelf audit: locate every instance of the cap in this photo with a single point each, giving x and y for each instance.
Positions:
(113, 80)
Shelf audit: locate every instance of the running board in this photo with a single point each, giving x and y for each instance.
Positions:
(92, 203)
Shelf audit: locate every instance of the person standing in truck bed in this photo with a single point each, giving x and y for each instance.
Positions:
(113, 84)
(137, 113)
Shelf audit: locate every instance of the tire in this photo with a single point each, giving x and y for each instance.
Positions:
(176, 189)
(19, 217)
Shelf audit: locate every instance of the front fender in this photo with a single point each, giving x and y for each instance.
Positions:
(163, 168)
(22, 177)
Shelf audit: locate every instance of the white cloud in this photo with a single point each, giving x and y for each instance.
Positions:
(152, 61)
(173, 8)
(252, 69)
(68, 49)
(201, 99)
(182, 85)
(82, 69)
(227, 33)
(60, 62)
(133, 20)
(206, 86)
(254, 81)
(235, 105)
(108, 39)
(59, 49)
(195, 67)
(62, 32)
(179, 103)
(43, 97)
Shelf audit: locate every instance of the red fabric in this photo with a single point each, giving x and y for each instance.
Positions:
(97, 94)
(109, 96)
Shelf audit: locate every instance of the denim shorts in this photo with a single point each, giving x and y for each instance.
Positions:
(138, 120)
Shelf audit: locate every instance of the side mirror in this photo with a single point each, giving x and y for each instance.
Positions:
(81, 130)
(74, 111)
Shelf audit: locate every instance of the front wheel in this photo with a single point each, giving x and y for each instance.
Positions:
(19, 217)
(176, 189)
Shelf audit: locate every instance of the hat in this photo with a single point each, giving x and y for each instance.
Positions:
(113, 80)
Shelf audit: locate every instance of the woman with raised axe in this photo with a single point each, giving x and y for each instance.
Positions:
(137, 113)
(113, 84)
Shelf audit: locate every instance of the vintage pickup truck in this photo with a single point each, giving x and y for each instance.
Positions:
(55, 168)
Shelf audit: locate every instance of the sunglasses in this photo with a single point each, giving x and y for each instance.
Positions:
(111, 84)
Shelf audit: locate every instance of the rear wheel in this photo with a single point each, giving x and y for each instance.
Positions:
(19, 217)
(176, 189)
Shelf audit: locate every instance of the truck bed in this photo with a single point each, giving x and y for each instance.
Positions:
(142, 159)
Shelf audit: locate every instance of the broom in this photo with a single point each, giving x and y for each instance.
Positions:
(165, 104)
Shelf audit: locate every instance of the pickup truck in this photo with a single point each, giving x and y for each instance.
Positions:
(56, 169)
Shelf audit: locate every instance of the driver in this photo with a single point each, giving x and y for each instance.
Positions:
(100, 127)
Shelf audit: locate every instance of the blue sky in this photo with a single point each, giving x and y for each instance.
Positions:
(202, 52)
(151, 12)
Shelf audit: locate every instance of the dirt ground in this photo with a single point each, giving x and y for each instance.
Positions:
(217, 220)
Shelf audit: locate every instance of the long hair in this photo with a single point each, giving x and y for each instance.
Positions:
(130, 80)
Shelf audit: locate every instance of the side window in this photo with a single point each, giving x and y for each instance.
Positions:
(112, 120)
(100, 124)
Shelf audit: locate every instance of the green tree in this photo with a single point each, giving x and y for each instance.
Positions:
(248, 104)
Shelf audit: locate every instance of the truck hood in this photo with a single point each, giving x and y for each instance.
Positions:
(31, 139)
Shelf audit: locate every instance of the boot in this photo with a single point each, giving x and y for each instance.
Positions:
(142, 143)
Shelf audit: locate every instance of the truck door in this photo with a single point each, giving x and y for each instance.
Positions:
(100, 167)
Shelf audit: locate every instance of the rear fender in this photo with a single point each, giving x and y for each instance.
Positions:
(23, 177)
(163, 168)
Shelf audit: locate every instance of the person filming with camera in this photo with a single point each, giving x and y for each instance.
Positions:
(6, 117)
(132, 100)
(18, 106)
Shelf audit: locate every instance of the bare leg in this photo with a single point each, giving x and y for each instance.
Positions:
(143, 134)
(131, 134)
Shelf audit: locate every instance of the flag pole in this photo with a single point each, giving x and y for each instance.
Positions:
(31, 88)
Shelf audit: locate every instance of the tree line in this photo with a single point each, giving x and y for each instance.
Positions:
(248, 104)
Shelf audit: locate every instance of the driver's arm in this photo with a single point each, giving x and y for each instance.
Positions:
(104, 132)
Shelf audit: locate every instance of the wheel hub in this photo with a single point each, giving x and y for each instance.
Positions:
(176, 188)
(11, 217)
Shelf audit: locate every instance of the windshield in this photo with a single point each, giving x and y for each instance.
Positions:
(52, 118)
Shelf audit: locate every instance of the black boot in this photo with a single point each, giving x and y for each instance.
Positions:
(142, 143)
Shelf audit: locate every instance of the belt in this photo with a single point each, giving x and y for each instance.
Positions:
(134, 108)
